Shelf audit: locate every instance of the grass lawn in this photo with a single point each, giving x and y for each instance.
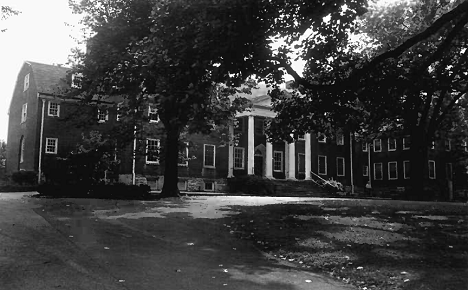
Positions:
(370, 244)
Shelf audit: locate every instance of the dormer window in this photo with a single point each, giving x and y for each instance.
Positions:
(76, 80)
(26, 82)
(103, 115)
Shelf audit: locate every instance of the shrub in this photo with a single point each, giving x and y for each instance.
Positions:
(24, 177)
(251, 184)
(106, 191)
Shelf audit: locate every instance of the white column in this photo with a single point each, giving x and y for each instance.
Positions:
(286, 159)
(250, 146)
(292, 161)
(269, 160)
(231, 152)
(308, 157)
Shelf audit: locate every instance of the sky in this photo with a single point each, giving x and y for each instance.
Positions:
(38, 34)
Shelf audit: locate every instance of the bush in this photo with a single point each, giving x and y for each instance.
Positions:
(332, 186)
(24, 177)
(251, 184)
(106, 191)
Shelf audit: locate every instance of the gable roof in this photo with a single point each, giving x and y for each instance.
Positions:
(48, 77)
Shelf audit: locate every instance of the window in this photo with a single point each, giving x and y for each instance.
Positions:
(322, 165)
(259, 125)
(51, 145)
(406, 143)
(240, 125)
(76, 80)
(278, 161)
(153, 114)
(301, 137)
(432, 169)
(103, 115)
(340, 166)
(465, 146)
(448, 171)
(152, 151)
(238, 158)
(53, 109)
(22, 150)
(26, 82)
(119, 114)
(301, 163)
(433, 145)
(391, 144)
(377, 145)
(378, 171)
(321, 138)
(406, 169)
(339, 139)
(24, 112)
(209, 155)
(183, 155)
(365, 170)
(392, 170)
(364, 146)
(448, 145)
(209, 186)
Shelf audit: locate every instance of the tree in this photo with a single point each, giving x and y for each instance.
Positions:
(6, 12)
(175, 50)
(416, 91)
(3, 146)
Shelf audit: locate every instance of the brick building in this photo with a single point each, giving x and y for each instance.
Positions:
(40, 130)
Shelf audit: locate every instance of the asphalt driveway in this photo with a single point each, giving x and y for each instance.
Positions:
(168, 244)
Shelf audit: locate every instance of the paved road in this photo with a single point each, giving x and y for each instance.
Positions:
(173, 244)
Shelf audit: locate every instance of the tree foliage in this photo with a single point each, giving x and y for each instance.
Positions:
(6, 12)
(415, 88)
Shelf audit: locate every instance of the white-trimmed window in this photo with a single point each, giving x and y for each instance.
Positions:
(432, 169)
(448, 171)
(24, 112)
(392, 144)
(103, 115)
(406, 169)
(365, 170)
(53, 109)
(364, 146)
(377, 145)
(339, 139)
(51, 145)
(378, 171)
(340, 166)
(209, 186)
(321, 138)
(26, 83)
(278, 161)
(152, 151)
(301, 163)
(239, 157)
(301, 137)
(322, 165)
(153, 114)
(209, 155)
(448, 145)
(465, 146)
(392, 170)
(406, 143)
(183, 155)
(432, 145)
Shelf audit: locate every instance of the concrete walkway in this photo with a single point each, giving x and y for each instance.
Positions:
(168, 244)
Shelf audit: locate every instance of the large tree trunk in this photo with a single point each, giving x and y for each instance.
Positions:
(171, 156)
(418, 164)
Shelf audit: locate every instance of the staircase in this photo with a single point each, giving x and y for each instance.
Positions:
(298, 188)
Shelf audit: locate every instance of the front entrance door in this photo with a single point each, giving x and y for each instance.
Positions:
(258, 165)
